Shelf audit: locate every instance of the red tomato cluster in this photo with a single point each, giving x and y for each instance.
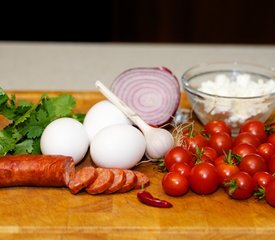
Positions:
(243, 165)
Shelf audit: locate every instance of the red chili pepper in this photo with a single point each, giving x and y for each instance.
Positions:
(148, 199)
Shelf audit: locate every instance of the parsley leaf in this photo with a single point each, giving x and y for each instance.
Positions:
(3, 97)
(59, 106)
(24, 147)
(36, 124)
(7, 143)
(23, 113)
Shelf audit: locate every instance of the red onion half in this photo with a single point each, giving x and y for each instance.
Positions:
(153, 93)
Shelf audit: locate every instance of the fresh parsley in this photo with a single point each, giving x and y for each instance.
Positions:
(28, 121)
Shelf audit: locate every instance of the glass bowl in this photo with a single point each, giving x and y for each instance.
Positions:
(230, 91)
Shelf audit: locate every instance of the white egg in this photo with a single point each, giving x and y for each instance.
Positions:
(118, 146)
(65, 136)
(101, 115)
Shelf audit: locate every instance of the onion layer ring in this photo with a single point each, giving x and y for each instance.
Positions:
(153, 93)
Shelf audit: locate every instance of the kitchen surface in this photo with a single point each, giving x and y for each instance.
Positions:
(30, 69)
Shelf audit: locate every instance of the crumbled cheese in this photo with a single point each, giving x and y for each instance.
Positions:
(238, 110)
(243, 86)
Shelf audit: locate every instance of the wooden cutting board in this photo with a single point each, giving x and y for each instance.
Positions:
(55, 213)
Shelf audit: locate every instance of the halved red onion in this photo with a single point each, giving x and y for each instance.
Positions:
(153, 93)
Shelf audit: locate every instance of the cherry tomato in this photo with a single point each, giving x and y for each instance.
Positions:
(246, 137)
(271, 165)
(226, 171)
(261, 179)
(252, 163)
(204, 158)
(240, 186)
(219, 160)
(221, 142)
(228, 158)
(201, 157)
(204, 178)
(270, 128)
(266, 150)
(216, 126)
(244, 149)
(174, 184)
(177, 154)
(210, 152)
(256, 127)
(197, 141)
(271, 139)
(270, 193)
(183, 168)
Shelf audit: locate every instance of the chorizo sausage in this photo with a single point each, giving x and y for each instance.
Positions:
(104, 180)
(130, 183)
(59, 171)
(82, 179)
(36, 170)
(119, 180)
(142, 180)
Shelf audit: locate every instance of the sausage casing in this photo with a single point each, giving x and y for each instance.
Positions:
(36, 170)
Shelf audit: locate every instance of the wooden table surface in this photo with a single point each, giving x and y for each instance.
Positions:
(55, 213)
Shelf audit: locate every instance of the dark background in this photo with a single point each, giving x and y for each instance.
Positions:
(160, 21)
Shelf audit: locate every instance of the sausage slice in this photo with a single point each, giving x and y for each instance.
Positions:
(119, 180)
(104, 180)
(82, 179)
(130, 183)
(142, 180)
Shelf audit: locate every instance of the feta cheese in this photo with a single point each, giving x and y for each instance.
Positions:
(242, 86)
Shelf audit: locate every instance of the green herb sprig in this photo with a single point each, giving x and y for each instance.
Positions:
(28, 121)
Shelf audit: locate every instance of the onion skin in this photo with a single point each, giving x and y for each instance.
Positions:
(153, 93)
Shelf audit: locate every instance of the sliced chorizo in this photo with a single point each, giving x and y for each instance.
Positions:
(142, 180)
(119, 180)
(82, 179)
(130, 183)
(104, 180)
(36, 170)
